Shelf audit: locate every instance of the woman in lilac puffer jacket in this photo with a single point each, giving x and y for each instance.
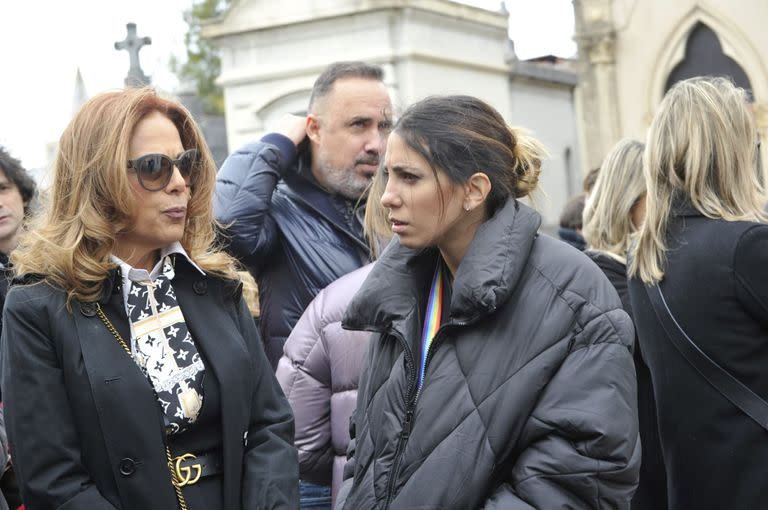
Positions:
(319, 373)
(320, 370)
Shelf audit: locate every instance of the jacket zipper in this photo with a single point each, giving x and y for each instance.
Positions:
(410, 409)
(411, 402)
(433, 348)
(407, 423)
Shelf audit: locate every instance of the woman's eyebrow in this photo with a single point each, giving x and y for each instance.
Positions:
(402, 168)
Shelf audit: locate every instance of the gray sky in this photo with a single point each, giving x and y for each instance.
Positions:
(44, 42)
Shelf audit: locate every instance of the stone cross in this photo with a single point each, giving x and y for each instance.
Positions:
(132, 44)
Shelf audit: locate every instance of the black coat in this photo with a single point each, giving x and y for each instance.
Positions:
(10, 492)
(651, 493)
(85, 428)
(294, 237)
(716, 285)
(6, 274)
(529, 399)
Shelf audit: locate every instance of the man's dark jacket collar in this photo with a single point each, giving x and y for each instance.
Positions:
(302, 187)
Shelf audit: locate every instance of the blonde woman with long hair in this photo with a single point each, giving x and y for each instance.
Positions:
(616, 205)
(132, 372)
(699, 286)
(613, 213)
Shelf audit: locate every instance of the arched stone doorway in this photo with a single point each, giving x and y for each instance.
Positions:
(703, 32)
(704, 56)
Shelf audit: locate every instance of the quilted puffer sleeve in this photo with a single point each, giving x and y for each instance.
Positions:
(581, 447)
(355, 426)
(304, 373)
(243, 195)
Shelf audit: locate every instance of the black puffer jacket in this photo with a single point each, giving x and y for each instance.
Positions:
(529, 399)
(294, 237)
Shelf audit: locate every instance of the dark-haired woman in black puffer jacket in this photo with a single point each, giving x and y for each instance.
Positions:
(501, 376)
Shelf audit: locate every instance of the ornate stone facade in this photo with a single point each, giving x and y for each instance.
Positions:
(273, 51)
(629, 48)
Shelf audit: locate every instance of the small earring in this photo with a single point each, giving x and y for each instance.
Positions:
(466, 208)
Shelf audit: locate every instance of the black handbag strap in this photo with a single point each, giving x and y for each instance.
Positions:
(728, 386)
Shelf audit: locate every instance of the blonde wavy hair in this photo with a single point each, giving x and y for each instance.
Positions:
(91, 198)
(619, 185)
(376, 225)
(701, 146)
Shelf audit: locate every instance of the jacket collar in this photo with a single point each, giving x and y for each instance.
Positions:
(682, 206)
(303, 187)
(486, 277)
(113, 283)
(175, 248)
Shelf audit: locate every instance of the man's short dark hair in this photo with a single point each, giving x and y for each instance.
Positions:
(590, 179)
(19, 176)
(339, 70)
(572, 212)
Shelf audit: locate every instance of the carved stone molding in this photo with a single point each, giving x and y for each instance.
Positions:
(596, 14)
(601, 49)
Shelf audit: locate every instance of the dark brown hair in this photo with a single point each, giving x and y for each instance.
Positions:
(16, 173)
(339, 70)
(462, 135)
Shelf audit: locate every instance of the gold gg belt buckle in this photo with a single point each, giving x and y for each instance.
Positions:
(184, 474)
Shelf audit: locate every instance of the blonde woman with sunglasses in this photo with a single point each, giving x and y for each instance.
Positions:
(132, 372)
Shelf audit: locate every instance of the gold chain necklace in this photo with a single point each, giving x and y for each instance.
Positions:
(174, 478)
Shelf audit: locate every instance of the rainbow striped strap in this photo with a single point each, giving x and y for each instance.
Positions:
(432, 318)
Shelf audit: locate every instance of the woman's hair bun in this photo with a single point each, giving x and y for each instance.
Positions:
(529, 154)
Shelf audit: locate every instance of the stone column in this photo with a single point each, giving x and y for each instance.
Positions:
(599, 114)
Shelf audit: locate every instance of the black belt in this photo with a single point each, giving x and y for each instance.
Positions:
(190, 468)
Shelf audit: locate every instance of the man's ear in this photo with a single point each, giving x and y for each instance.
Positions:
(476, 190)
(313, 128)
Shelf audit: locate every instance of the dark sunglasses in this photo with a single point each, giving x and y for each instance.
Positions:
(155, 170)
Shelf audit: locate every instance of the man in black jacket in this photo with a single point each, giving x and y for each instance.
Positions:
(290, 202)
(17, 189)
